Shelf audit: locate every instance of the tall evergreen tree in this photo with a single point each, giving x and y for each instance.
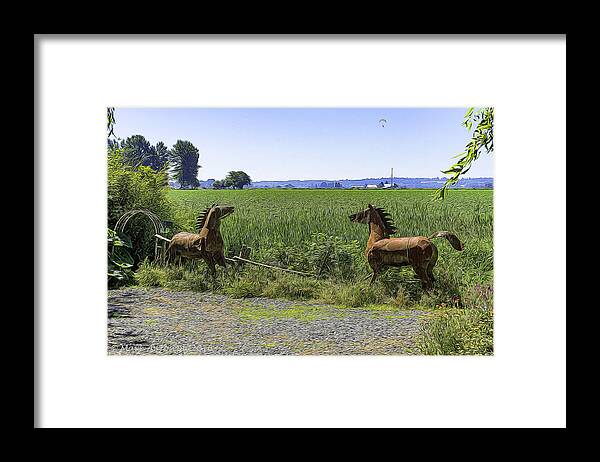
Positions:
(162, 155)
(183, 159)
(137, 151)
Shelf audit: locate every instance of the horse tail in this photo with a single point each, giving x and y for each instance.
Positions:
(452, 239)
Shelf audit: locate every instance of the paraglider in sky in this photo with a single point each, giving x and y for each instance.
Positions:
(382, 122)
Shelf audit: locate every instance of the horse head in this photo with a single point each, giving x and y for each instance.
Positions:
(217, 213)
(375, 215)
(364, 216)
(212, 215)
(224, 211)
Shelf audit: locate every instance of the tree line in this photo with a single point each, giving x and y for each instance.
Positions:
(181, 160)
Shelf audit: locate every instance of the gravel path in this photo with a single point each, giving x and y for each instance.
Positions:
(158, 321)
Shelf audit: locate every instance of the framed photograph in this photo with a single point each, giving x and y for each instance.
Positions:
(285, 231)
(300, 231)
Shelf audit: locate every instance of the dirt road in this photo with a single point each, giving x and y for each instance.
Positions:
(158, 321)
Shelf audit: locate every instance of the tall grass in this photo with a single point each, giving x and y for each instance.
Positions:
(281, 225)
(292, 216)
(310, 230)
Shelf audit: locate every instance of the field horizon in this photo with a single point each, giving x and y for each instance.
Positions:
(309, 231)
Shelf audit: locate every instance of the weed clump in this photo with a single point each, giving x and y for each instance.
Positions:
(296, 288)
(466, 330)
(458, 332)
(353, 295)
(151, 274)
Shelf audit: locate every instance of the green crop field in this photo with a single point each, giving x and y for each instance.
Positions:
(263, 217)
(310, 231)
(289, 219)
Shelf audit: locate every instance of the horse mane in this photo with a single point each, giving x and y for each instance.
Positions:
(388, 223)
(201, 219)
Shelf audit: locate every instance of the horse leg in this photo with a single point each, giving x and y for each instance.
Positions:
(431, 264)
(211, 266)
(430, 274)
(375, 271)
(422, 275)
(374, 264)
(172, 257)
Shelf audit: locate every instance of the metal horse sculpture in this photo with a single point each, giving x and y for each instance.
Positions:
(384, 251)
(207, 244)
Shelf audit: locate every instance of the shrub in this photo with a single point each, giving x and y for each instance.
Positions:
(457, 331)
(136, 188)
(120, 262)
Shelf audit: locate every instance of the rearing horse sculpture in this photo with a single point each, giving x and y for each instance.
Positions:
(207, 244)
(384, 251)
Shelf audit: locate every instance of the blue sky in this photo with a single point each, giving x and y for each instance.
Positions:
(331, 144)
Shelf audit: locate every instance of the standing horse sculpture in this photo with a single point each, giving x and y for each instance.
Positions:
(207, 244)
(383, 251)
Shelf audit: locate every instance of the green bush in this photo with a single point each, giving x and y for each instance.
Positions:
(120, 261)
(132, 188)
